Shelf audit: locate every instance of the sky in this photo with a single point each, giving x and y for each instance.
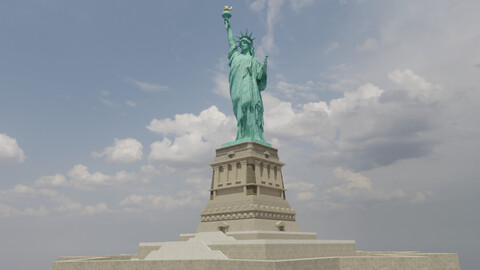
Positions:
(111, 111)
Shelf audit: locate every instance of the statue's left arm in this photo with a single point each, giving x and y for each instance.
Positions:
(263, 69)
(262, 75)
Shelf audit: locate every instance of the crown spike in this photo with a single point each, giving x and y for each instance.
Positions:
(246, 35)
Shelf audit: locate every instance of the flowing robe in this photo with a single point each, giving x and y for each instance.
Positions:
(247, 79)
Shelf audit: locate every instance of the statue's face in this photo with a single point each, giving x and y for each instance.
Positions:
(244, 45)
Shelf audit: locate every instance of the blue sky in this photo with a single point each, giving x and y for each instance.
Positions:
(110, 112)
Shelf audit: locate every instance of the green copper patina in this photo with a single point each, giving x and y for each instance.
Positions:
(247, 79)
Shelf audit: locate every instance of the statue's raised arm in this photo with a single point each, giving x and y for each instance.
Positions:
(247, 79)
(226, 16)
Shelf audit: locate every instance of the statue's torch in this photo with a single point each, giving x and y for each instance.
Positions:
(226, 13)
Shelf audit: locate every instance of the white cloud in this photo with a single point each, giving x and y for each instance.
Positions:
(52, 180)
(220, 78)
(349, 190)
(305, 196)
(41, 211)
(366, 128)
(415, 86)
(422, 196)
(195, 136)
(122, 151)
(23, 190)
(80, 177)
(258, 5)
(147, 87)
(10, 152)
(294, 90)
(355, 181)
(61, 203)
(131, 103)
(94, 209)
(357, 190)
(273, 7)
(187, 148)
(370, 44)
(79, 173)
(298, 5)
(153, 202)
(18, 190)
(303, 191)
(222, 86)
(333, 46)
(196, 193)
(109, 103)
(300, 186)
(9, 211)
(104, 93)
(67, 205)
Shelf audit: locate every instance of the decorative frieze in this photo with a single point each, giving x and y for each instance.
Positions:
(247, 215)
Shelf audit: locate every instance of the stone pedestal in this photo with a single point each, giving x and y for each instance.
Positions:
(247, 192)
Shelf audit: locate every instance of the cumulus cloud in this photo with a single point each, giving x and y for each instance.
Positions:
(195, 136)
(303, 191)
(146, 86)
(415, 86)
(54, 200)
(9, 211)
(10, 152)
(109, 103)
(131, 103)
(331, 47)
(104, 93)
(221, 84)
(298, 5)
(79, 173)
(23, 190)
(357, 188)
(370, 44)
(354, 181)
(220, 78)
(272, 7)
(422, 196)
(153, 202)
(19, 190)
(366, 128)
(52, 180)
(195, 192)
(122, 151)
(291, 90)
(67, 205)
(79, 177)
(94, 209)
(349, 190)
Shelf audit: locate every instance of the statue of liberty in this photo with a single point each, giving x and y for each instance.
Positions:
(247, 79)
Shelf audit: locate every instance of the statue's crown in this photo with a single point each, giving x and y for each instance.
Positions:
(246, 36)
